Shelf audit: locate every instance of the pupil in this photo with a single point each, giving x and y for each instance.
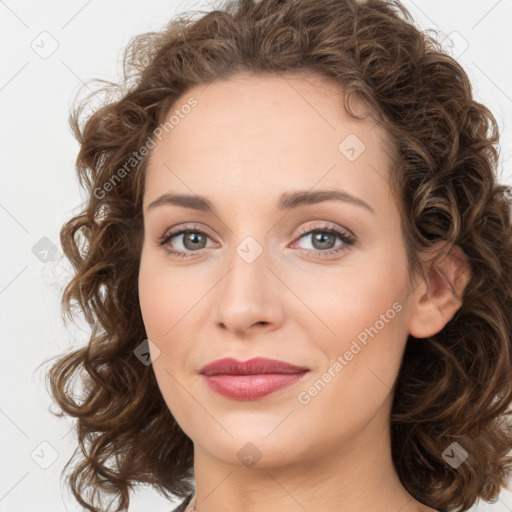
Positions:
(321, 238)
(193, 238)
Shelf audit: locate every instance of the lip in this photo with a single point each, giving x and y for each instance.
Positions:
(254, 366)
(251, 379)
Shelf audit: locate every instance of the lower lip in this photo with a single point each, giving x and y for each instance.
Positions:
(251, 387)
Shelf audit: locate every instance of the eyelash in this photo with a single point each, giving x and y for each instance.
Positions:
(347, 239)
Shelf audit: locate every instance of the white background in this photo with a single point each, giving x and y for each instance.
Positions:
(39, 192)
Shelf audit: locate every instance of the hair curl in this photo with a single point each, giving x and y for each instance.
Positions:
(454, 386)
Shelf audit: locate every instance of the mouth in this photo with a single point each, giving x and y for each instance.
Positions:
(254, 366)
(252, 379)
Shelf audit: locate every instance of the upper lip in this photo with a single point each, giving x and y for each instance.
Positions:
(254, 366)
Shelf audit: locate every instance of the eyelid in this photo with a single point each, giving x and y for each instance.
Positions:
(327, 226)
(187, 227)
(344, 234)
(305, 229)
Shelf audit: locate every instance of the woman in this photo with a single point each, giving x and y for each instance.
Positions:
(297, 268)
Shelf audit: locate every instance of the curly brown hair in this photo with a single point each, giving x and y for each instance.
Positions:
(453, 386)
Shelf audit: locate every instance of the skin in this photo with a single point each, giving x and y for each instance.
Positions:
(249, 139)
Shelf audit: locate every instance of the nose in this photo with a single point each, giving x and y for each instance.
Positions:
(250, 297)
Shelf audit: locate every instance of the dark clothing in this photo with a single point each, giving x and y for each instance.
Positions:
(184, 504)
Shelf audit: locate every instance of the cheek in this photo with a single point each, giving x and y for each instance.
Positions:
(362, 358)
(346, 301)
(169, 306)
(164, 295)
(363, 320)
(151, 300)
(161, 310)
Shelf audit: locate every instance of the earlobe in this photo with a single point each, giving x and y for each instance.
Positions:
(438, 296)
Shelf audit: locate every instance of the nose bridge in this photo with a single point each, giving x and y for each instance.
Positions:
(247, 295)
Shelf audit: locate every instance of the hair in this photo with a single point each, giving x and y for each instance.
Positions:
(454, 386)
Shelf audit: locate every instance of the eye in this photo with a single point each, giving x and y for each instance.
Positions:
(192, 239)
(323, 238)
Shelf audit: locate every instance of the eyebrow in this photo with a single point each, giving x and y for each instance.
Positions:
(287, 201)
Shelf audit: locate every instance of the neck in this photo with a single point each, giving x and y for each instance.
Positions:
(358, 476)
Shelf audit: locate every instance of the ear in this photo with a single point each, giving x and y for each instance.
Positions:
(438, 296)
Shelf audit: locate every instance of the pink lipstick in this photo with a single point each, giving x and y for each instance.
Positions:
(252, 379)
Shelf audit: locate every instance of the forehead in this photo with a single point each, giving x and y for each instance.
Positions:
(265, 132)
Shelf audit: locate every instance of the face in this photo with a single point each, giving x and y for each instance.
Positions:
(321, 285)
